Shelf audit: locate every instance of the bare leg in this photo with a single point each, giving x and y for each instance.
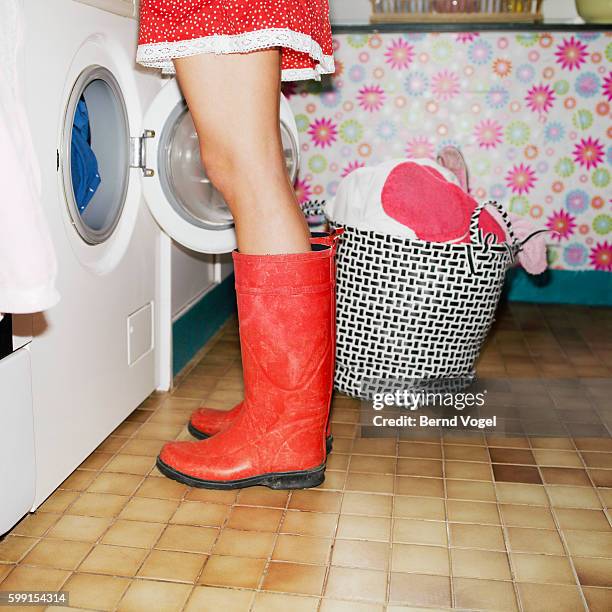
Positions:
(234, 100)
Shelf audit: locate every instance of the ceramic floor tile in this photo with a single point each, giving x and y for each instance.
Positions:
(484, 594)
(254, 519)
(411, 531)
(421, 450)
(36, 524)
(174, 566)
(516, 473)
(187, 538)
(309, 523)
(574, 518)
(241, 572)
(295, 578)
(418, 507)
(302, 549)
(137, 534)
(535, 541)
(364, 528)
(467, 470)
(542, 569)
(59, 554)
(594, 572)
(482, 564)
(57, 501)
(361, 554)
(371, 464)
(99, 504)
(255, 544)
(130, 464)
(95, 591)
(27, 578)
(151, 510)
(487, 537)
(213, 599)
(420, 590)
(278, 602)
(589, 543)
(418, 486)
(152, 595)
(470, 490)
(598, 600)
(14, 548)
(364, 503)
(546, 597)
(573, 497)
(369, 483)
(345, 583)
(472, 512)
(83, 528)
(418, 559)
(117, 484)
(113, 560)
(565, 476)
(262, 496)
(202, 514)
(518, 493)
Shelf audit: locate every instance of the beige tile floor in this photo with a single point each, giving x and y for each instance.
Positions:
(485, 522)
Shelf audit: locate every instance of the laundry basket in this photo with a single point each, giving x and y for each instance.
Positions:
(413, 310)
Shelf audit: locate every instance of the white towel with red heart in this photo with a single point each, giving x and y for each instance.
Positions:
(419, 198)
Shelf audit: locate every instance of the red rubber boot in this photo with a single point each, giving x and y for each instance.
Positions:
(277, 438)
(206, 422)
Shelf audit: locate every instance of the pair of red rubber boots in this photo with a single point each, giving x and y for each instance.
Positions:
(278, 436)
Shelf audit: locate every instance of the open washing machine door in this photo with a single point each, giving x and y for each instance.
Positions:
(180, 196)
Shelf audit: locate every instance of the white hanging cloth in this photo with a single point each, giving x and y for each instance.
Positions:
(28, 264)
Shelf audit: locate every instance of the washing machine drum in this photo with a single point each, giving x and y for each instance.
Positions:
(183, 177)
(180, 195)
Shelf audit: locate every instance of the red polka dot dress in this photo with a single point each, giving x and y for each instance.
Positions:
(178, 28)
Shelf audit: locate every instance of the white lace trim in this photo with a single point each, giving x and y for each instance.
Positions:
(161, 54)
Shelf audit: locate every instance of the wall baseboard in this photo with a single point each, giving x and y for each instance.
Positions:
(586, 288)
(191, 331)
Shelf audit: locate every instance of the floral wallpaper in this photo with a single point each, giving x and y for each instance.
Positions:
(530, 111)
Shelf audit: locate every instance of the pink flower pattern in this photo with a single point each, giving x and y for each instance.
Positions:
(540, 98)
(521, 179)
(571, 54)
(589, 153)
(323, 132)
(400, 54)
(562, 225)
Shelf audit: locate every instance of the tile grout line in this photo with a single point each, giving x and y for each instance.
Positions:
(264, 573)
(451, 581)
(506, 536)
(561, 534)
(335, 530)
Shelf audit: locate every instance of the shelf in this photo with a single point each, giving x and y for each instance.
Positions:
(541, 26)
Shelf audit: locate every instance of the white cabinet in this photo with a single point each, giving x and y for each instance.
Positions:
(17, 462)
(127, 8)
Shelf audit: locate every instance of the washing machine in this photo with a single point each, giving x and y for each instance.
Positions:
(108, 344)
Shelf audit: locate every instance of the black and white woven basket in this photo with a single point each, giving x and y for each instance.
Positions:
(409, 309)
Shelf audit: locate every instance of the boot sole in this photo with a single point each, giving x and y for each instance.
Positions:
(303, 479)
(200, 435)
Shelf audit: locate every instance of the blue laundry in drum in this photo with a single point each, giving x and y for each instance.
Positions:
(84, 165)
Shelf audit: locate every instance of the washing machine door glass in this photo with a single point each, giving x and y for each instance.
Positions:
(94, 151)
(183, 177)
(180, 195)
